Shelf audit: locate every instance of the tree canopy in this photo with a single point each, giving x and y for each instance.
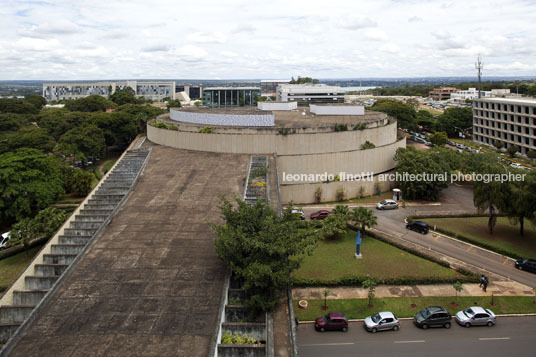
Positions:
(92, 103)
(29, 181)
(405, 114)
(262, 248)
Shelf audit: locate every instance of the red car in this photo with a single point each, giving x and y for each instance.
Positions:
(333, 321)
(322, 214)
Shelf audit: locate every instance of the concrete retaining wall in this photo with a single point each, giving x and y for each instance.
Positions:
(241, 350)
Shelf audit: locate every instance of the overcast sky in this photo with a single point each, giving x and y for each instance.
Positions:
(222, 39)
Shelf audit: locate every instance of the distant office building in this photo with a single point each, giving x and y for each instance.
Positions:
(194, 92)
(230, 96)
(442, 93)
(506, 120)
(305, 94)
(472, 93)
(77, 90)
(269, 86)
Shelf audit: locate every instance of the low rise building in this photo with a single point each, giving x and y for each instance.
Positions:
(216, 97)
(269, 86)
(153, 90)
(305, 94)
(511, 121)
(442, 93)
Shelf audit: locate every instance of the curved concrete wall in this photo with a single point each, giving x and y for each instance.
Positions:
(305, 193)
(270, 142)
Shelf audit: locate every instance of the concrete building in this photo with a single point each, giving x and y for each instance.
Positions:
(194, 92)
(305, 94)
(506, 120)
(75, 90)
(469, 94)
(269, 86)
(216, 97)
(307, 145)
(442, 93)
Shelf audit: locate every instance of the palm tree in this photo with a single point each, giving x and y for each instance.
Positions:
(363, 217)
(341, 210)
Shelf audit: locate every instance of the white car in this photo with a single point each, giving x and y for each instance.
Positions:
(515, 165)
(387, 204)
(475, 315)
(5, 238)
(382, 321)
(299, 212)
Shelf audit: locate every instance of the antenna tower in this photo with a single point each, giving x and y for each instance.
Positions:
(479, 66)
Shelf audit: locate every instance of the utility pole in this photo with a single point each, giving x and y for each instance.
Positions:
(479, 66)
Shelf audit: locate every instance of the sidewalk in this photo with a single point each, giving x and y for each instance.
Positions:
(497, 288)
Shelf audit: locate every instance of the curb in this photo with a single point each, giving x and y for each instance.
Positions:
(411, 318)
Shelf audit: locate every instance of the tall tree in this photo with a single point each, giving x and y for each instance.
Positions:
(521, 202)
(262, 248)
(490, 196)
(87, 141)
(363, 218)
(29, 180)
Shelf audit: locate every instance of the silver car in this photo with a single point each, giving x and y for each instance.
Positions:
(475, 315)
(382, 321)
(387, 204)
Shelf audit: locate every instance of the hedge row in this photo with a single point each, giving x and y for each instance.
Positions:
(467, 239)
(358, 281)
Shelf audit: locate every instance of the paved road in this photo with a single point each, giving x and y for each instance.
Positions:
(511, 336)
(454, 199)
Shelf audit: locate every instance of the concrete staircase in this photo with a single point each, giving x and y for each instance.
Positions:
(77, 233)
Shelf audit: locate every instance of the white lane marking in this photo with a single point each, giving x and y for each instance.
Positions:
(327, 344)
(416, 341)
(493, 338)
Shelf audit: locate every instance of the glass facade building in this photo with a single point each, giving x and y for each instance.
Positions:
(216, 97)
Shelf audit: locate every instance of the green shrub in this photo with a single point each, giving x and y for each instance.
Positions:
(237, 339)
(360, 126)
(340, 127)
(206, 130)
(259, 172)
(162, 125)
(367, 145)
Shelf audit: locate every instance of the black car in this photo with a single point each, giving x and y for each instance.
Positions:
(432, 316)
(418, 226)
(526, 264)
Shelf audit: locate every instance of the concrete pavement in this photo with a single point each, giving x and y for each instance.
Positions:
(498, 288)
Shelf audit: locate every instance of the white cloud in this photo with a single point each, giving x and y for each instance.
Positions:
(385, 38)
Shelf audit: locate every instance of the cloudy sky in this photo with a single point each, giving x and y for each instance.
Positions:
(223, 39)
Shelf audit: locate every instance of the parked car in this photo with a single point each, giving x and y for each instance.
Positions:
(460, 146)
(330, 322)
(322, 214)
(515, 165)
(432, 316)
(4, 240)
(418, 226)
(382, 321)
(451, 143)
(419, 140)
(387, 204)
(429, 144)
(299, 212)
(526, 264)
(475, 316)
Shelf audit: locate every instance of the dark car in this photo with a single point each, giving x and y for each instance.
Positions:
(418, 226)
(322, 214)
(526, 264)
(432, 316)
(331, 322)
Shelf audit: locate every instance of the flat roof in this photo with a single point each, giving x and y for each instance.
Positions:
(275, 80)
(296, 118)
(232, 88)
(524, 100)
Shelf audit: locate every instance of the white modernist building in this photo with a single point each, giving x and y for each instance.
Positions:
(305, 94)
(472, 93)
(154, 90)
(511, 121)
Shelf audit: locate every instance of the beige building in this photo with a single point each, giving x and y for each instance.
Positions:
(311, 148)
(506, 120)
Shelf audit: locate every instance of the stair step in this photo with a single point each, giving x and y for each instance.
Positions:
(80, 231)
(58, 258)
(70, 240)
(49, 269)
(66, 248)
(15, 313)
(39, 282)
(7, 330)
(26, 297)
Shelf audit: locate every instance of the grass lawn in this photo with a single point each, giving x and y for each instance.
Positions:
(402, 307)
(505, 235)
(10, 268)
(334, 259)
(108, 165)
